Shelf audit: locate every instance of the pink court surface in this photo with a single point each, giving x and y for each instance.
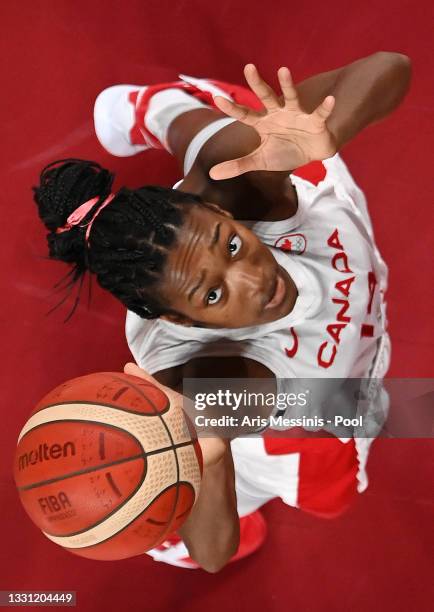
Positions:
(56, 57)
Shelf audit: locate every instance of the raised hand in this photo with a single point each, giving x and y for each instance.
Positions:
(289, 137)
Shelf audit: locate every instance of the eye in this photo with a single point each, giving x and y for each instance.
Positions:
(234, 245)
(214, 296)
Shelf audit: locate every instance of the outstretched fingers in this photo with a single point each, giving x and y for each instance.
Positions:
(237, 111)
(324, 110)
(234, 167)
(288, 89)
(265, 93)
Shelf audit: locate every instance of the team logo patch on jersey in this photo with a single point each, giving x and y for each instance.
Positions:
(292, 243)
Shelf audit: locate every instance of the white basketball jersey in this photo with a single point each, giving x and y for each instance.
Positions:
(338, 321)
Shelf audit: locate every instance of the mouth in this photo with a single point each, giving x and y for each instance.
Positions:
(277, 293)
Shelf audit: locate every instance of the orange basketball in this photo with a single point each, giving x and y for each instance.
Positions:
(106, 467)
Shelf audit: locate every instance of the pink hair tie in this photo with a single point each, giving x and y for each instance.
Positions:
(79, 214)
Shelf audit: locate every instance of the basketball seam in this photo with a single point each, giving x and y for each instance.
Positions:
(173, 447)
(45, 423)
(169, 433)
(89, 470)
(163, 537)
(105, 405)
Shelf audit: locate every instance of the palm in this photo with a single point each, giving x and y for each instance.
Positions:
(289, 137)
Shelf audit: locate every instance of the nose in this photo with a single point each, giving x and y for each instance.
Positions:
(247, 277)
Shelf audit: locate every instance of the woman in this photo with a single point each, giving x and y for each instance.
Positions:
(242, 269)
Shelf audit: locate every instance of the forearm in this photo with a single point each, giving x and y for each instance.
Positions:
(365, 91)
(211, 532)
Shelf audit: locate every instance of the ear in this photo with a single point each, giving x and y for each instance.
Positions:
(220, 211)
(178, 319)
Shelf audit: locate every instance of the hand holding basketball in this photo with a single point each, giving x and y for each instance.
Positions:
(108, 465)
(213, 449)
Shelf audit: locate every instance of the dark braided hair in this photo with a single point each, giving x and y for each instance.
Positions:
(129, 240)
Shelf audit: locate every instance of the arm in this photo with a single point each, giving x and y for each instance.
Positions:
(365, 91)
(211, 531)
(315, 119)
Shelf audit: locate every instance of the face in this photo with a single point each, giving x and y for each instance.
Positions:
(219, 274)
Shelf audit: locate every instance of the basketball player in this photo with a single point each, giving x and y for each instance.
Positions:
(260, 263)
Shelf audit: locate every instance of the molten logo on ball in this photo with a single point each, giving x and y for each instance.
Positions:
(45, 453)
(108, 466)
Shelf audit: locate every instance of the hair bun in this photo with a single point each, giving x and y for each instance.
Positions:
(64, 186)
